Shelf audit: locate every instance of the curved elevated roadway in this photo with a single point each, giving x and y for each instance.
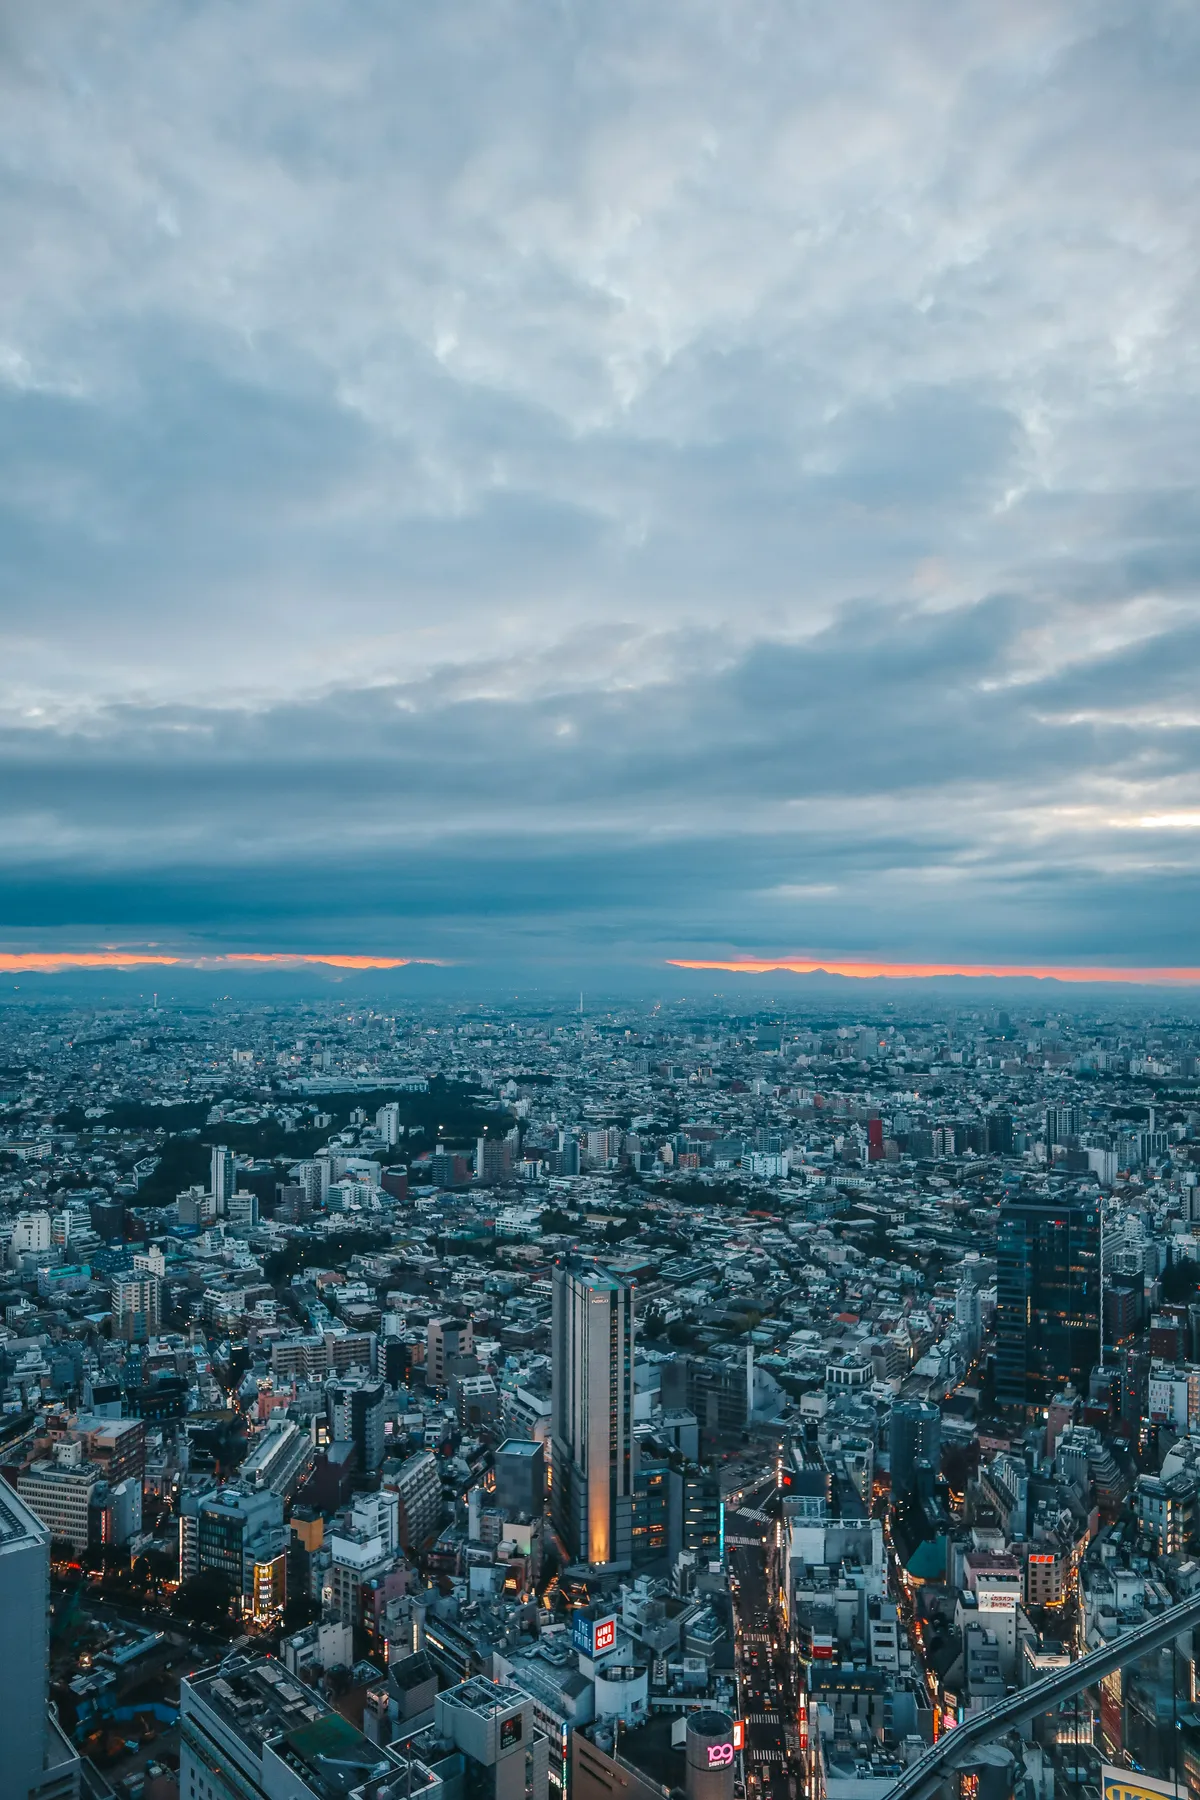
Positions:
(922, 1780)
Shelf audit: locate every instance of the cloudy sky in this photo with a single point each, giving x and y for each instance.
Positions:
(559, 481)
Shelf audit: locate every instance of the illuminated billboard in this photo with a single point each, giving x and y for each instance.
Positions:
(1124, 1784)
(592, 1637)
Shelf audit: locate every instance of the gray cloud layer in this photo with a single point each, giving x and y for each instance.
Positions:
(489, 474)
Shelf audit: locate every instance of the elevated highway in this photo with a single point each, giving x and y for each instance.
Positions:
(923, 1778)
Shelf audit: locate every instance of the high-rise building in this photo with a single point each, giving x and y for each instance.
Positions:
(448, 1169)
(694, 1516)
(356, 1410)
(387, 1123)
(1063, 1123)
(242, 1209)
(224, 1178)
(968, 1311)
(117, 1446)
(603, 1146)
(493, 1159)
(150, 1261)
(652, 1512)
(565, 1160)
(59, 1490)
(1047, 1299)
(31, 1233)
(108, 1218)
(445, 1339)
(521, 1478)
(915, 1435)
(136, 1305)
(38, 1761)
(418, 1485)
(493, 1730)
(715, 1391)
(281, 1459)
(240, 1535)
(592, 1447)
(314, 1177)
(1000, 1133)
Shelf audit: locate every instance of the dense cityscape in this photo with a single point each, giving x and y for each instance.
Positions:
(533, 1402)
(599, 880)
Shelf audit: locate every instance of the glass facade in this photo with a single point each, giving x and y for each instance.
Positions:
(1047, 1299)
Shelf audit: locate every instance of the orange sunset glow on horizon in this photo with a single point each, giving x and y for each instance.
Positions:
(902, 971)
(53, 962)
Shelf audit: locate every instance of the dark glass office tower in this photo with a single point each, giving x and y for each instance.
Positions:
(915, 1435)
(1047, 1299)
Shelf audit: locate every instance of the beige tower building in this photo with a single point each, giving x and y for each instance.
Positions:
(592, 1445)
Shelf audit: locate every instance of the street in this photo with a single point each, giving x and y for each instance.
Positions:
(766, 1698)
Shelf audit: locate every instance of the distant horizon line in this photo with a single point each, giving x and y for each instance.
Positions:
(152, 956)
(917, 971)
(54, 962)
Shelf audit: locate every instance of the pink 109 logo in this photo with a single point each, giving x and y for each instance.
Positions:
(719, 1755)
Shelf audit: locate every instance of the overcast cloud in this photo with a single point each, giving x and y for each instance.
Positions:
(601, 479)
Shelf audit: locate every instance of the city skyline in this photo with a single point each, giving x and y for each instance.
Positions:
(609, 1397)
(599, 878)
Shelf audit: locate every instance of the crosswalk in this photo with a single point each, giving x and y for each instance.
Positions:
(766, 1756)
(762, 1718)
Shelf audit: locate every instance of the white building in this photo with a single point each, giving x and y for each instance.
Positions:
(30, 1236)
(60, 1493)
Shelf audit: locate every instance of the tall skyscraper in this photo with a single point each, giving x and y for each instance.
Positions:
(223, 1177)
(38, 1760)
(1047, 1299)
(592, 1445)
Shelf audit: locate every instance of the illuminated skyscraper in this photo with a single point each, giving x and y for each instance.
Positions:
(592, 1445)
(1047, 1299)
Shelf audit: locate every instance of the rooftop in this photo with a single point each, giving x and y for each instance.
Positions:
(18, 1524)
(257, 1699)
(483, 1698)
(650, 1749)
(332, 1756)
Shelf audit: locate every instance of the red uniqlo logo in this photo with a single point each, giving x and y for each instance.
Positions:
(606, 1634)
